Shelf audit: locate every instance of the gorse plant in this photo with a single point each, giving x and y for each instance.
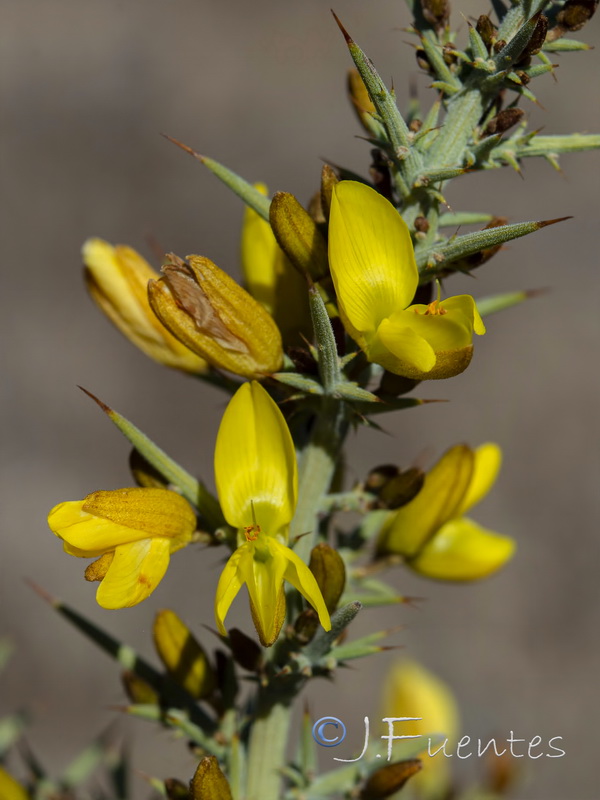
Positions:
(344, 312)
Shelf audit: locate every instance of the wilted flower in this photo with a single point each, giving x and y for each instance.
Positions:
(257, 483)
(271, 279)
(375, 275)
(117, 280)
(217, 319)
(431, 532)
(131, 533)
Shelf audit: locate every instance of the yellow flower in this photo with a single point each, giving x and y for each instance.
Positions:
(375, 275)
(410, 690)
(117, 280)
(10, 789)
(257, 483)
(271, 279)
(217, 319)
(431, 532)
(131, 532)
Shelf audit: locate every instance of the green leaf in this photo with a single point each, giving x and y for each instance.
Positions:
(298, 381)
(455, 220)
(564, 46)
(329, 363)
(193, 490)
(498, 302)
(439, 257)
(251, 196)
(11, 730)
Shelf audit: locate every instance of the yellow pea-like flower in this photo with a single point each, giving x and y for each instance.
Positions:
(131, 533)
(271, 279)
(215, 318)
(257, 483)
(410, 690)
(117, 280)
(375, 276)
(432, 534)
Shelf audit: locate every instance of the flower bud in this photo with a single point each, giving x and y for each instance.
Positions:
(182, 655)
(217, 319)
(209, 783)
(327, 565)
(117, 279)
(359, 96)
(388, 780)
(176, 790)
(137, 690)
(299, 236)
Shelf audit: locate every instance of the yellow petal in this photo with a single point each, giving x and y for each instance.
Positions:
(466, 305)
(371, 256)
(181, 653)
(229, 585)
(117, 280)
(263, 575)
(86, 535)
(135, 572)
(271, 279)
(106, 519)
(400, 349)
(302, 579)
(463, 551)
(411, 526)
(488, 460)
(255, 462)
(10, 789)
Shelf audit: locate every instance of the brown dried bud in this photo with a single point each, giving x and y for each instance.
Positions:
(576, 13)
(327, 565)
(487, 30)
(176, 790)
(503, 121)
(415, 125)
(436, 12)
(448, 54)
(387, 780)
(423, 60)
(538, 37)
(421, 224)
(499, 45)
(306, 625)
(245, 651)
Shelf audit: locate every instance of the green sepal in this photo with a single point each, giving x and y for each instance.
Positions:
(359, 648)
(435, 175)
(193, 490)
(351, 391)
(445, 87)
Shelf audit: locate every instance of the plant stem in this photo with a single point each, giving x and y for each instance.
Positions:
(269, 735)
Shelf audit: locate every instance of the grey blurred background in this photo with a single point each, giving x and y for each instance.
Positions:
(87, 87)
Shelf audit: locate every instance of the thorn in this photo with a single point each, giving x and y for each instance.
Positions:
(53, 601)
(345, 33)
(529, 293)
(545, 222)
(155, 246)
(107, 409)
(185, 147)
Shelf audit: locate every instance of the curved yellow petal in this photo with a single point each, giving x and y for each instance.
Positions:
(449, 330)
(463, 551)
(11, 789)
(157, 512)
(117, 280)
(85, 534)
(370, 254)
(400, 349)
(302, 579)
(465, 305)
(255, 463)
(488, 460)
(135, 572)
(263, 576)
(409, 528)
(229, 585)
(259, 256)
